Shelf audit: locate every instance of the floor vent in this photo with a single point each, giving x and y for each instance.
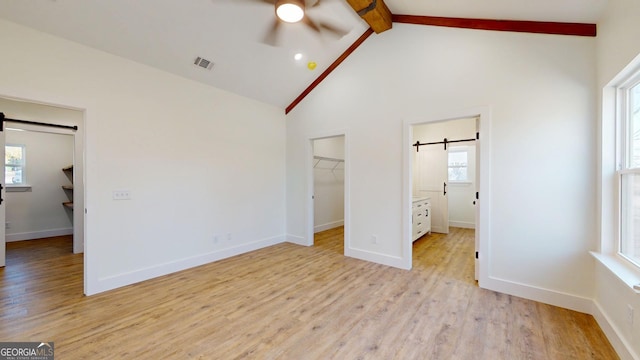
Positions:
(203, 63)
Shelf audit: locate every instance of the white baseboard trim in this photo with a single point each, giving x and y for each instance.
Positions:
(38, 234)
(393, 261)
(298, 240)
(552, 297)
(462, 224)
(327, 226)
(568, 301)
(128, 278)
(622, 347)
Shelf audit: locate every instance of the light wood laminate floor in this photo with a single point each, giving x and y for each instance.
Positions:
(288, 302)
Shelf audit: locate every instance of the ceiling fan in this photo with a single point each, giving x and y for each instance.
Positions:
(293, 11)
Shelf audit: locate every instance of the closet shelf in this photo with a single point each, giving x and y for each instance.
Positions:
(69, 188)
(321, 158)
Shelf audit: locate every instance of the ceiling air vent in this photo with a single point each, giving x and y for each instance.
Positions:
(203, 63)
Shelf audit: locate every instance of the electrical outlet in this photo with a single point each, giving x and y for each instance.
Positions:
(229, 236)
(121, 195)
(7, 225)
(215, 239)
(630, 314)
(374, 239)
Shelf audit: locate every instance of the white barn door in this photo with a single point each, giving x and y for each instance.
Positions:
(432, 182)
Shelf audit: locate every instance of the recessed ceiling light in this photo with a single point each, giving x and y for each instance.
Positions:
(298, 56)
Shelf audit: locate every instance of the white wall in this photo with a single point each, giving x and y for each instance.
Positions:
(205, 168)
(328, 182)
(617, 46)
(39, 213)
(540, 90)
(460, 195)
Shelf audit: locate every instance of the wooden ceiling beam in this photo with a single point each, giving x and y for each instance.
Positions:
(380, 19)
(538, 27)
(374, 12)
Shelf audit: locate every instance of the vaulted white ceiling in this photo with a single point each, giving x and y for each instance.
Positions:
(170, 34)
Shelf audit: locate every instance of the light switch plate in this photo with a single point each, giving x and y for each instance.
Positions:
(121, 195)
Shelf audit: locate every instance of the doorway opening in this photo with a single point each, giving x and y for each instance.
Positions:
(328, 189)
(39, 184)
(44, 180)
(445, 178)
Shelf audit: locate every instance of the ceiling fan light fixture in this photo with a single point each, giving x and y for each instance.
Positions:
(290, 11)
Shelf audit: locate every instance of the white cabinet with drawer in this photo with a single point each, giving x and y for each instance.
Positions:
(421, 217)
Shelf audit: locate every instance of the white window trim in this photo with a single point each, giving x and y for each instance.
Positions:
(611, 148)
(460, 183)
(623, 162)
(458, 149)
(18, 188)
(24, 184)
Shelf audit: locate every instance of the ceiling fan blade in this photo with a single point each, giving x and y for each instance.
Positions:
(271, 38)
(270, 2)
(338, 31)
(310, 24)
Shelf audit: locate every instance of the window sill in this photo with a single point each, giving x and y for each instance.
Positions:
(460, 183)
(625, 272)
(18, 188)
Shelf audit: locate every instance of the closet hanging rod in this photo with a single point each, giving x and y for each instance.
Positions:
(28, 122)
(445, 142)
(328, 158)
(320, 158)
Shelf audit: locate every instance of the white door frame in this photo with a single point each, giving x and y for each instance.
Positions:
(3, 205)
(483, 208)
(79, 175)
(310, 187)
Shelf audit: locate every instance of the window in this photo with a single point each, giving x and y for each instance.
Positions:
(14, 161)
(458, 164)
(629, 170)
